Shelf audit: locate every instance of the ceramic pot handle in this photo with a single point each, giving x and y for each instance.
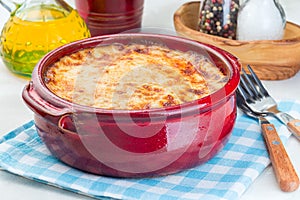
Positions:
(39, 105)
(65, 123)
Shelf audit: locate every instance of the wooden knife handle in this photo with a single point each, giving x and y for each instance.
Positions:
(286, 175)
(294, 126)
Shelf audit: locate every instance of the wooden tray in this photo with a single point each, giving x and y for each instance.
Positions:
(270, 59)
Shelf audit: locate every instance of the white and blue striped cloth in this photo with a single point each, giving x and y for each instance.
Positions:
(226, 176)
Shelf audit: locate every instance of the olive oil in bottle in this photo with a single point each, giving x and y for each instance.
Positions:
(36, 28)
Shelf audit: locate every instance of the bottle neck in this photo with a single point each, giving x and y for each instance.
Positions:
(43, 10)
(58, 3)
(10, 6)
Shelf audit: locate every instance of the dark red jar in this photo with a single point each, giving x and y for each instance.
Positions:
(135, 143)
(111, 16)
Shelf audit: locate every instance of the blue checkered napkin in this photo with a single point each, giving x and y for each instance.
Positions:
(226, 176)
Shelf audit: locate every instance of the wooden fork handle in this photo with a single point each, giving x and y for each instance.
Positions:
(294, 126)
(286, 175)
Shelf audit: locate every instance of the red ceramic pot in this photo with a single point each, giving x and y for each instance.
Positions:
(135, 143)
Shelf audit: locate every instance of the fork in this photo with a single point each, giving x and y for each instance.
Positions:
(285, 173)
(260, 100)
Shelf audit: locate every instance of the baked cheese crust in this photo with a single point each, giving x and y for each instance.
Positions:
(133, 76)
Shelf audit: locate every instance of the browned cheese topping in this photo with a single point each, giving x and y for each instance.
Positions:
(133, 77)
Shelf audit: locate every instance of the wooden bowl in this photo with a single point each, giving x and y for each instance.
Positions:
(270, 59)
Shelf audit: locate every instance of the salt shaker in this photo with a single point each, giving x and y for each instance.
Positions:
(219, 17)
(261, 20)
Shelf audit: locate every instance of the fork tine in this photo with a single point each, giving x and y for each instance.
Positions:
(247, 92)
(251, 86)
(241, 92)
(244, 85)
(257, 81)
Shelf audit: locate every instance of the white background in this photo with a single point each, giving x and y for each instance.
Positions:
(157, 14)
